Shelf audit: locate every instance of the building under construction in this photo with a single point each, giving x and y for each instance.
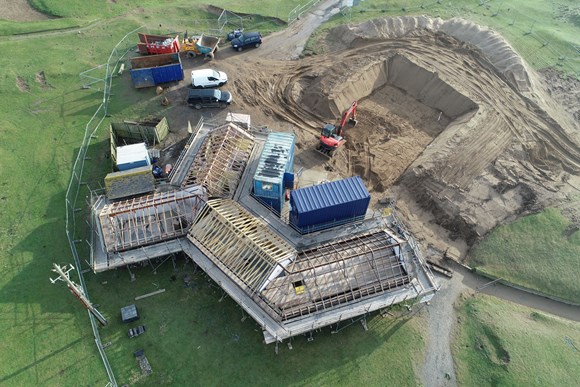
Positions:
(290, 282)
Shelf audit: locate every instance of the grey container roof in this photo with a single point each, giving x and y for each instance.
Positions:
(275, 156)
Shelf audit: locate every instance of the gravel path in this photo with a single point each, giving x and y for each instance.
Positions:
(438, 369)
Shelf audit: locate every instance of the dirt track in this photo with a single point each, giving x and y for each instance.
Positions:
(451, 122)
(473, 145)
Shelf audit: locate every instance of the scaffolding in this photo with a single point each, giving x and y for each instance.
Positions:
(220, 162)
(287, 284)
(336, 273)
(241, 243)
(287, 290)
(149, 219)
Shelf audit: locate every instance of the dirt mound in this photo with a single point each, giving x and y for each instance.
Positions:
(20, 10)
(496, 50)
(451, 120)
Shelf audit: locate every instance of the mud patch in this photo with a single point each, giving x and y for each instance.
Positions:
(492, 347)
(402, 108)
(21, 11)
(448, 105)
(22, 84)
(40, 78)
(564, 89)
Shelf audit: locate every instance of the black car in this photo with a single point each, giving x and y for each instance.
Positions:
(208, 98)
(247, 39)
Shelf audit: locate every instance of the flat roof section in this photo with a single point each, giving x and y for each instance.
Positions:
(277, 152)
(136, 181)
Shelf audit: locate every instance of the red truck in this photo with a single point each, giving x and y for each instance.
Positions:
(158, 44)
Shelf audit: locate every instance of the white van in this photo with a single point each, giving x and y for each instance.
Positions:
(208, 78)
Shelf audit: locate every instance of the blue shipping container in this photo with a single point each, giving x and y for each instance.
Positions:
(153, 70)
(288, 180)
(276, 160)
(324, 204)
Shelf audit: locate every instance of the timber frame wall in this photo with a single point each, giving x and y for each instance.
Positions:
(239, 241)
(220, 162)
(144, 220)
(288, 284)
(288, 292)
(337, 273)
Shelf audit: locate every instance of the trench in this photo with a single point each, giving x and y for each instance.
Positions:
(403, 107)
(400, 72)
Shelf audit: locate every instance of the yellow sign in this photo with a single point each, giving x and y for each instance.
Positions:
(300, 289)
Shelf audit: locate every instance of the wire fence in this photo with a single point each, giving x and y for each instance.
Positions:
(76, 212)
(300, 10)
(537, 45)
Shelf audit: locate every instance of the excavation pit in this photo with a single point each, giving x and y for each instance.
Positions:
(403, 107)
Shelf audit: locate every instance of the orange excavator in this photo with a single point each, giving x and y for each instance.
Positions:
(331, 136)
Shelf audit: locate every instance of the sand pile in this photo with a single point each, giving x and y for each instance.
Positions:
(451, 120)
(496, 50)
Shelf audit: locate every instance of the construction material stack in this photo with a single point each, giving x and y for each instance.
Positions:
(157, 44)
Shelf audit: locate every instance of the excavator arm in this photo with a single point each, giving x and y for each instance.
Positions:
(331, 137)
(349, 115)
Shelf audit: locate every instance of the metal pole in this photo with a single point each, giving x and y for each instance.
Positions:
(77, 291)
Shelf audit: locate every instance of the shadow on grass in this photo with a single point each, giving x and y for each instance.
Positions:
(38, 361)
(48, 244)
(197, 333)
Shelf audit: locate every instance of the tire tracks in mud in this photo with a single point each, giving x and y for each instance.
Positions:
(505, 117)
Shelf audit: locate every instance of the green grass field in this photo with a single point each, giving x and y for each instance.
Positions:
(194, 338)
(498, 343)
(539, 252)
(44, 333)
(544, 33)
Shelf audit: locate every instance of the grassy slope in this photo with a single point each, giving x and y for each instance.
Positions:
(538, 251)
(499, 343)
(551, 23)
(75, 13)
(207, 342)
(43, 328)
(42, 324)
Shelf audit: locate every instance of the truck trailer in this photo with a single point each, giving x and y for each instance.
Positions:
(157, 44)
(148, 71)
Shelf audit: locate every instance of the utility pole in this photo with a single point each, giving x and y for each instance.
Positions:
(63, 275)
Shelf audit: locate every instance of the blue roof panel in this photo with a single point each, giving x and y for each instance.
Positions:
(330, 194)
